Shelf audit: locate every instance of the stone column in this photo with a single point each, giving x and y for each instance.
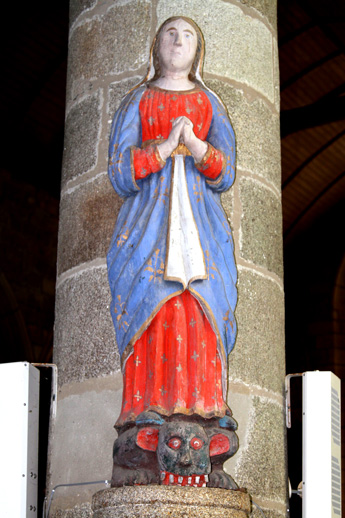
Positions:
(108, 52)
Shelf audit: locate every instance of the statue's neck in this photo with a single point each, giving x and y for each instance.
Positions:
(174, 82)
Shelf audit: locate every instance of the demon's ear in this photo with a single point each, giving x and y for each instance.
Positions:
(147, 438)
(219, 444)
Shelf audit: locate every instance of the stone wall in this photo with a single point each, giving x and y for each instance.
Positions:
(108, 54)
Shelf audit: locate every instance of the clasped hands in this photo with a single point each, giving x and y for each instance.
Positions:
(182, 132)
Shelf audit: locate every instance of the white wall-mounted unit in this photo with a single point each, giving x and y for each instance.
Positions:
(19, 409)
(321, 445)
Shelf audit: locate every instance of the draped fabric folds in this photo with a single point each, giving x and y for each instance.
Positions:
(175, 366)
(143, 294)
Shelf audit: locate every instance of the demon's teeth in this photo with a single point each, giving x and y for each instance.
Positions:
(180, 480)
(204, 484)
(171, 479)
(189, 480)
(197, 480)
(163, 475)
(206, 478)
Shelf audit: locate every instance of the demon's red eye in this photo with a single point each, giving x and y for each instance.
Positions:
(174, 443)
(196, 443)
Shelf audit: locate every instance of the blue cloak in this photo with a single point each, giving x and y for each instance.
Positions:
(137, 252)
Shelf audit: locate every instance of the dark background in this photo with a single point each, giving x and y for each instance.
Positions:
(34, 43)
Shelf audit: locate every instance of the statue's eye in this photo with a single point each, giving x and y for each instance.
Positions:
(196, 443)
(174, 443)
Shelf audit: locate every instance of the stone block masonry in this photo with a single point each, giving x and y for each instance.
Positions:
(108, 53)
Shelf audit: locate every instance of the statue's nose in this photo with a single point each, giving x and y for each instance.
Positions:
(185, 459)
(178, 39)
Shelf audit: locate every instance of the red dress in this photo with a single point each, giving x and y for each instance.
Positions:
(174, 366)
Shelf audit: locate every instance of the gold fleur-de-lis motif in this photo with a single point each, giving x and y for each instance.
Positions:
(199, 100)
(137, 396)
(159, 195)
(195, 356)
(229, 165)
(196, 392)
(227, 320)
(123, 237)
(121, 312)
(116, 161)
(150, 120)
(221, 114)
(197, 189)
(155, 266)
(210, 267)
(162, 390)
(161, 107)
(113, 152)
(179, 368)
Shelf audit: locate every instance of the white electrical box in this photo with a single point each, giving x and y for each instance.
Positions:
(19, 409)
(321, 445)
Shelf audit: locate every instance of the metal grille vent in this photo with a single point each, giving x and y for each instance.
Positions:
(336, 488)
(336, 469)
(335, 417)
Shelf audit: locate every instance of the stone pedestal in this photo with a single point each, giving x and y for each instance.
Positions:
(159, 501)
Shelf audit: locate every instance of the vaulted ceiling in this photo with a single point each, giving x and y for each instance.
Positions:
(312, 77)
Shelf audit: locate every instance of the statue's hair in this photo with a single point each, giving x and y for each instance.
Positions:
(199, 53)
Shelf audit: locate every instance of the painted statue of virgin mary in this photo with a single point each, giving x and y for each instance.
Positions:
(171, 263)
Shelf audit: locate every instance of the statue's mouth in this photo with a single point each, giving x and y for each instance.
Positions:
(171, 479)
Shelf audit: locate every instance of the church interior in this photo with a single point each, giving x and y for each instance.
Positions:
(312, 85)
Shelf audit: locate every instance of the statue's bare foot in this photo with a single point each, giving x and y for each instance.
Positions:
(131, 477)
(218, 478)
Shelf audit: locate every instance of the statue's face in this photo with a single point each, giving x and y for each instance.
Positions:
(177, 47)
(183, 449)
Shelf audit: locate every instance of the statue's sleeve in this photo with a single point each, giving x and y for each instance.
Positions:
(218, 165)
(128, 163)
(125, 133)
